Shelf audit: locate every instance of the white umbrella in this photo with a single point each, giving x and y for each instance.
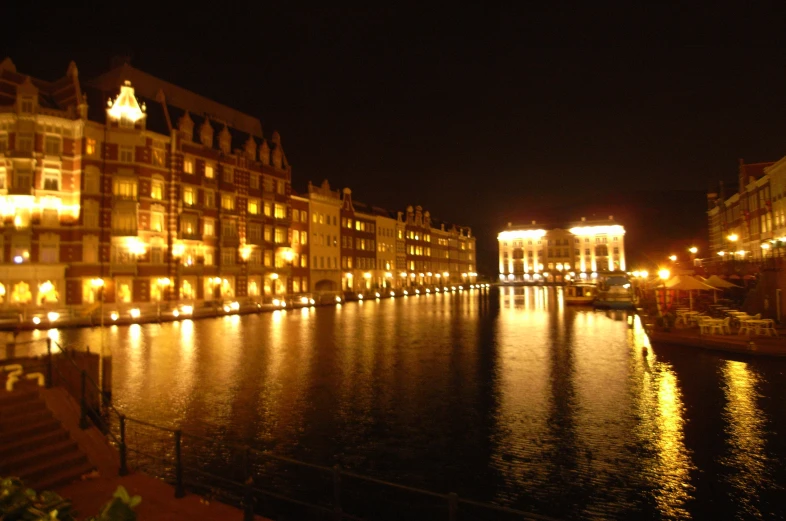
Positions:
(720, 283)
(689, 284)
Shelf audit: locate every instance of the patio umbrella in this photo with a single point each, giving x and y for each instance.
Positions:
(689, 284)
(720, 283)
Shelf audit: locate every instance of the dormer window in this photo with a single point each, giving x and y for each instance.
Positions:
(251, 149)
(26, 105)
(225, 141)
(206, 134)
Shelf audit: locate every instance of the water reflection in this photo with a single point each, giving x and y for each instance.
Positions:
(509, 396)
(745, 425)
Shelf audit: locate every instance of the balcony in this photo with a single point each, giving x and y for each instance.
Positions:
(193, 236)
(125, 197)
(230, 240)
(125, 232)
(20, 190)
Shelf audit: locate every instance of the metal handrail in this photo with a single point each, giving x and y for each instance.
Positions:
(249, 490)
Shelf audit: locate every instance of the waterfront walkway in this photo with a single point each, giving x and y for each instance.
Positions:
(741, 344)
(158, 500)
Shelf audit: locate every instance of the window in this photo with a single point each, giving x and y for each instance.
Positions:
(157, 190)
(52, 145)
(23, 178)
(295, 216)
(124, 188)
(92, 180)
(269, 209)
(210, 199)
(253, 206)
(267, 185)
(256, 257)
(268, 234)
(227, 256)
(281, 211)
(229, 175)
(51, 179)
(90, 214)
(3, 143)
(254, 232)
(90, 249)
(209, 172)
(3, 185)
(229, 228)
(126, 154)
(188, 224)
(209, 227)
(49, 249)
(281, 187)
(227, 202)
(158, 156)
(157, 221)
(49, 218)
(124, 220)
(254, 181)
(27, 105)
(156, 255)
(281, 235)
(209, 256)
(268, 258)
(188, 165)
(304, 261)
(189, 196)
(25, 143)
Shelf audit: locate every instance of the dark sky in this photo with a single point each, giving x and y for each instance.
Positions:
(479, 115)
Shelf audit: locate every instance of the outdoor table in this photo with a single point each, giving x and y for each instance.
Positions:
(757, 324)
(712, 323)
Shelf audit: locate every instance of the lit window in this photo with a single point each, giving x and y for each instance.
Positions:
(124, 221)
(210, 199)
(253, 206)
(281, 235)
(227, 202)
(188, 166)
(157, 190)
(157, 221)
(210, 228)
(124, 188)
(209, 173)
(269, 210)
(189, 196)
(25, 143)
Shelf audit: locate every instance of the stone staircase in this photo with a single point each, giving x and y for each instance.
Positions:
(34, 445)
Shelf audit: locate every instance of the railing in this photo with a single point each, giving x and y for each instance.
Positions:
(234, 472)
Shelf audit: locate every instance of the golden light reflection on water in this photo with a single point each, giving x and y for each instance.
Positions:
(745, 426)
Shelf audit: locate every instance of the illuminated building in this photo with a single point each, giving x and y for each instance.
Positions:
(324, 207)
(741, 222)
(299, 280)
(534, 253)
(160, 193)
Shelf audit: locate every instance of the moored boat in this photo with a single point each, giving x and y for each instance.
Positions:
(580, 293)
(615, 292)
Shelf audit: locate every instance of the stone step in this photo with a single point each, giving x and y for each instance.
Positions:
(17, 409)
(31, 443)
(26, 430)
(64, 477)
(23, 418)
(40, 455)
(42, 471)
(17, 396)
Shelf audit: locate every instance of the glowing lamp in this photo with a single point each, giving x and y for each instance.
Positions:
(392, 293)
(360, 296)
(187, 310)
(664, 274)
(733, 237)
(338, 300)
(672, 258)
(36, 320)
(52, 316)
(135, 313)
(114, 315)
(18, 259)
(274, 276)
(693, 249)
(367, 275)
(304, 300)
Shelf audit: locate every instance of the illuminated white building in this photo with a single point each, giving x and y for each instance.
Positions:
(534, 253)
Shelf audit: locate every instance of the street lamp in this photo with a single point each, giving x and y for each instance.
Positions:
(673, 258)
(694, 250)
(664, 274)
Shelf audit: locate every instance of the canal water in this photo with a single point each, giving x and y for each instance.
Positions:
(505, 396)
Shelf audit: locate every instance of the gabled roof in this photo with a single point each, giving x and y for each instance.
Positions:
(148, 85)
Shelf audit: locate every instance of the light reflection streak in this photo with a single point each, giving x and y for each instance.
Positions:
(745, 425)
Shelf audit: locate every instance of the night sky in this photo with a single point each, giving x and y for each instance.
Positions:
(481, 116)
